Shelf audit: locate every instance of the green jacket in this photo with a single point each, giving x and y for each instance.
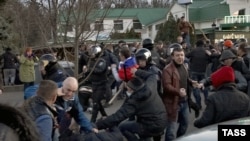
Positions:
(27, 69)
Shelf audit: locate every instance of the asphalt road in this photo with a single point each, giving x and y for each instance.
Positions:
(15, 98)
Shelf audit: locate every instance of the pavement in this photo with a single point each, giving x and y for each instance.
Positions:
(14, 96)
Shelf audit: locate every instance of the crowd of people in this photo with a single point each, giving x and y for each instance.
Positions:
(160, 86)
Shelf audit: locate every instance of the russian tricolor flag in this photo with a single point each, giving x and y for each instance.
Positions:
(125, 67)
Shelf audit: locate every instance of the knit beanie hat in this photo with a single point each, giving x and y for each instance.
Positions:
(227, 54)
(223, 75)
(135, 83)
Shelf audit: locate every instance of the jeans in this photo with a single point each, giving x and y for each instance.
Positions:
(182, 120)
(186, 38)
(196, 92)
(133, 131)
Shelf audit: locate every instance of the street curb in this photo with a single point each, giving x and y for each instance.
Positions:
(13, 88)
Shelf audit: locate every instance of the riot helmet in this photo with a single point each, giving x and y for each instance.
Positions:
(47, 59)
(148, 43)
(143, 54)
(95, 51)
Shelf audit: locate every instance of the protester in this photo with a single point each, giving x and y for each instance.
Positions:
(27, 71)
(155, 57)
(176, 94)
(40, 109)
(198, 60)
(124, 74)
(227, 102)
(16, 126)
(243, 54)
(68, 107)
(183, 28)
(145, 105)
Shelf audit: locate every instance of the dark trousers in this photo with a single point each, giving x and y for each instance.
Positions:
(98, 94)
(134, 131)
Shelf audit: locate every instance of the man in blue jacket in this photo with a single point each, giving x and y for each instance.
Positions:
(40, 109)
(68, 108)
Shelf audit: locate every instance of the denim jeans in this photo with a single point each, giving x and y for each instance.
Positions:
(133, 131)
(186, 38)
(182, 120)
(196, 92)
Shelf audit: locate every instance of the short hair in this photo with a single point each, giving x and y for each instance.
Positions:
(200, 43)
(46, 89)
(71, 81)
(125, 52)
(242, 47)
(177, 49)
(159, 42)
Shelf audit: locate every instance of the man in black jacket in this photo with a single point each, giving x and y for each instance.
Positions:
(145, 105)
(227, 102)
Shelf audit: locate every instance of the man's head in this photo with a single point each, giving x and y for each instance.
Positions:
(121, 43)
(227, 57)
(223, 75)
(124, 53)
(184, 44)
(200, 43)
(159, 45)
(148, 43)
(242, 50)
(179, 39)
(70, 86)
(177, 53)
(134, 84)
(48, 91)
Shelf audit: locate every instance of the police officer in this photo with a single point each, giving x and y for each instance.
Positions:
(98, 68)
(149, 72)
(51, 69)
(149, 44)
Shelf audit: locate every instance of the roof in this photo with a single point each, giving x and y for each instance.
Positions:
(207, 10)
(146, 16)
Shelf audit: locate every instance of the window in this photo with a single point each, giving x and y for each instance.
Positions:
(118, 24)
(98, 25)
(137, 24)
